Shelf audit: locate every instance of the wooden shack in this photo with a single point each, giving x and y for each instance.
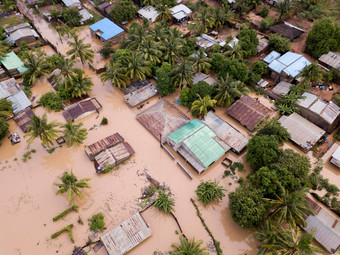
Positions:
(24, 118)
(103, 144)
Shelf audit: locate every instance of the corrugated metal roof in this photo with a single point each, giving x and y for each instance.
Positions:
(276, 66)
(81, 109)
(318, 106)
(8, 87)
(12, 61)
(336, 154)
(330, 112)
(69, 3)
(303, 132)
(20, 26)
(126, 235)
(25, 32)
(227, 133)
(19, 101)
(140, 95)
(308, 100)
(271, 57)
(282, 88)
(296, 67)
(248, 112)
(331, 59)
(185, 131)
(24, 118)
(149, 13)
(107, 27)
(85, 15)
(94, 149)
(162, 119)
(180, 11)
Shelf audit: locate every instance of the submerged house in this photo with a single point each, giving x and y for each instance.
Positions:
(324, 114)
(13, 65)
(226, 132)
(335, 159)
(94, 149)
(198, 145)
(107, 31)
(127, 235)
(113, 156)
(325, 227)
(138, 92)
(81, 109)
(286, 67)
(204, 77)
(287, 30)
(249, 112)
(303, 132)
(162, 118)
(24, 119)
(21, 33)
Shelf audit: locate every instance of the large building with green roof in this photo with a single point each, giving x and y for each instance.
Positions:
(198, 144)
(13, 64)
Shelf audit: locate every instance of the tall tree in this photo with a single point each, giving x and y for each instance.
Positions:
(46, 132)
(202, 105)
(36, 67)
(80, 84)
(164, 13)
(228, 90)
(71, 184)
(4, 49)
(235, 52)
(311, 73)
(67, 71)
(8, 5)
(200, 61)
(187, 247)
(183, 75)
(291, 208)
(203, 20)
(172, 47)
(284, 8)
(74, 133)
(80, 50)
(136, 35)
(6, 109)
(151, 50)
(164, 202)
(266, 234)
(116, 74)
(136, 66)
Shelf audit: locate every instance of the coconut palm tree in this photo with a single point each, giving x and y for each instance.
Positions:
(80, 50)
(284, 8)
(293, 242)
(311, 73)
(74, 133)
(36, 67)
(71, 184)
(235, 52)
(188, 247)
(8, 5)
(116, 74)
(183, 75)
(201, 105)
(200, 61)
(158, 33)
(291, 208)
(203, 20)
(79, 85)
(209, 191)
(148, 2)
(164, 202)
(42, 129)
(136, 66)
(220, 17)
(136, 35)
(266, 235)
(228, 90)
(67, 71)
(150, 50)
(172, 48)
(164, 13)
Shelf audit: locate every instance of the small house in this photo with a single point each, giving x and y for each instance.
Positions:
(335, 159)
(112, 156)
(127, 235)
(8, 88)
(138, 92)
(162, 118)
(198, 145)
(206, 42)
(81, 109)
(19, 101)
(204, 77)
(85, 16)
(24, 119)
(13, 64)
(94, 149)
(148, 12)
(324, 114)
(21, 33)
(303, 132)
(226, 132)
(249, 112)
(286, 67)
(180, 12)
(72, 3)
(107, 31)
(287, 30)
(263, 45)
(281, 89)
(330, 60)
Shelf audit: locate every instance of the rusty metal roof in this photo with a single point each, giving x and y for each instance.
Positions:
(248, 112)
(103, 144)
(82, 109)
(24, 119)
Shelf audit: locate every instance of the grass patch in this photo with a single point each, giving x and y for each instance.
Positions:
(12, 21)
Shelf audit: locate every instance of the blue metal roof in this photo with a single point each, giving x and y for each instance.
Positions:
(271, 57)
(107, 27)
(276, 66)
(295, 68)
(288, 58)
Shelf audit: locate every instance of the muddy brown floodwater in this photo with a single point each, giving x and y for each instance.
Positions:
(28, 200)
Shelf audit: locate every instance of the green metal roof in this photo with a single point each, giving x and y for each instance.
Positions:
(12, 61)
(185, 131)
(199, 139)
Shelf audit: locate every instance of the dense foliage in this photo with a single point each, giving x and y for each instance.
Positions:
(124, 11)
(3, 128)
(5, 108)
(279, 43)
(164, 202)
(207, 191)
(248, 41)
(273, 127)
(164, 83)
(189, 95)
(96, 222)
(51, 101)
(71, 16)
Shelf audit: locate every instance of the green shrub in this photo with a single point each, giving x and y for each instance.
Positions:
(107, 50)
(266, 23)
(71, 16)
(336, 99)
(259, 67)
(51, 101)
(3, 128)
(337, 136)
(104, 121)
(96, 222)
(279, 43)
(209, 191)
(226, 173)
(264, 12)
